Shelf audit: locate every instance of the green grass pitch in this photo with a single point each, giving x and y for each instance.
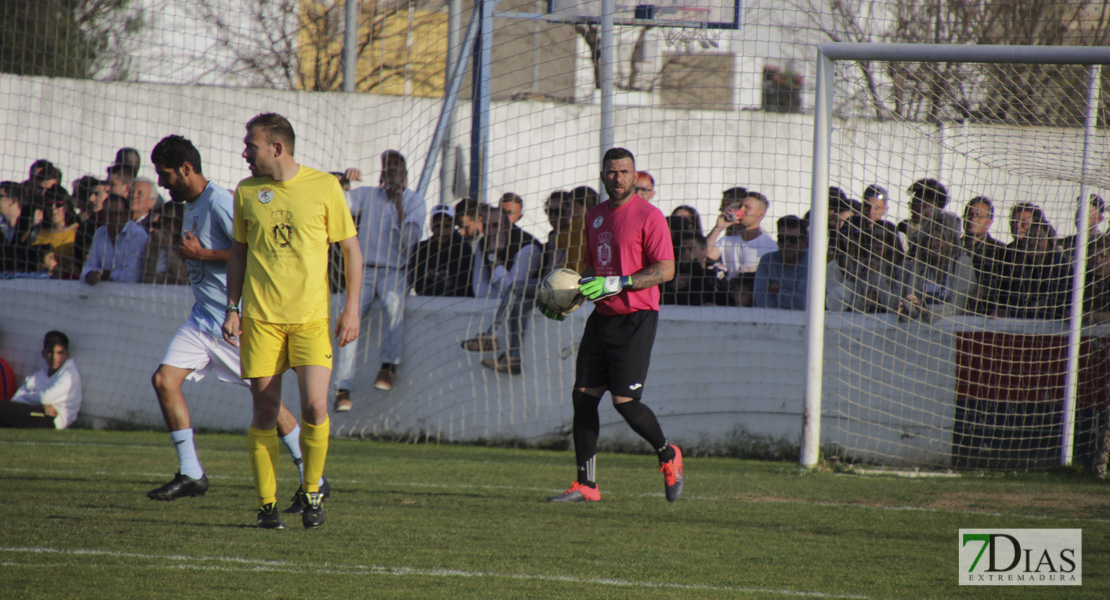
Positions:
(454, 522)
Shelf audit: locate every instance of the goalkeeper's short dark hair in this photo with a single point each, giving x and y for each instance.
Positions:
(617, 154)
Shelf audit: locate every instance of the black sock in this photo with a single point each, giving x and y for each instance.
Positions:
(640, 418)
(587, 424)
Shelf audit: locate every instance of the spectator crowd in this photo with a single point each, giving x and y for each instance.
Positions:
(932, 265)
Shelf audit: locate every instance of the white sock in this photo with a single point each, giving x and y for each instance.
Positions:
(292, 441)
(188, 463)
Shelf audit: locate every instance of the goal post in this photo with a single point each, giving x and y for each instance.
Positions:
(871, 416)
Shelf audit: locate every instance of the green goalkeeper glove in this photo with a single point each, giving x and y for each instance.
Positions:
(596, 288)
(550, 314)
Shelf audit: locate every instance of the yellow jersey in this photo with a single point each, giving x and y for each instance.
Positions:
(287, 226)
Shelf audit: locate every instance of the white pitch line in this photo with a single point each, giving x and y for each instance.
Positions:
(545, 490)
(271, 566)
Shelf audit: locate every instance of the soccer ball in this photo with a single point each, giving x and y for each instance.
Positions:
(558, 292)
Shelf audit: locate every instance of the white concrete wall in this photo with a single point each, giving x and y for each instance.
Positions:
(537, 147)
(720, 377)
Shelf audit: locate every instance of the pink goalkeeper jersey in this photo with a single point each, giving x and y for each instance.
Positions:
(623, 241)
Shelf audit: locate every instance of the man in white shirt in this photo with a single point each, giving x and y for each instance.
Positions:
(743, 242)
(390, 221)
(117, 247)
(51, 398)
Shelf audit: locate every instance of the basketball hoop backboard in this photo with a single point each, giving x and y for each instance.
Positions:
(699, 14)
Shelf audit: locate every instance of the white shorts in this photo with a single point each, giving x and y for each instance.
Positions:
(200, 352)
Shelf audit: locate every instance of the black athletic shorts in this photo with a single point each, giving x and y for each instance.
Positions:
(615, 352)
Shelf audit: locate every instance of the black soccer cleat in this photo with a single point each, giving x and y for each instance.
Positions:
(269, 517)
(313, 504)
(296, 508)
(182, 486)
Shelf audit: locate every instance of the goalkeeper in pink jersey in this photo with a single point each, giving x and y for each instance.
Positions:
(628, 254)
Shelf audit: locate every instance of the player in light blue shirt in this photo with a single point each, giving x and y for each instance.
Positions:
(198, 346)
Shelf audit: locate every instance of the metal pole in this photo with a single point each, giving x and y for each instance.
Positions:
(448, 165)
(818, 250)
(479, 125)
(606, 68)
(350, 52)
(450, 98)
(1067, 429)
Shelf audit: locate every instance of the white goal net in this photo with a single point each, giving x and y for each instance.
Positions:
(948, 329)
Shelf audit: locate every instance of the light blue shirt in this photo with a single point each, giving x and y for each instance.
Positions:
(209, 218)
(124, 257)
(384, 243)
(792, 281)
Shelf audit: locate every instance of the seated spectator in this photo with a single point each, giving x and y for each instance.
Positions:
(509, 260)
(36, 168)
(60, 232)
(1097, 212)
(51, 398)
(743, 242)
(644, 185)
(127, 159)
(162, 263)
(940, 277)
(440, 265)
(866, 277)
(584, 198)
(143, 200)
(1096, 295)
(13, 239)
(693, 284)
(89, 194)
(1022, 217)
(512, 206)
(118, 246)
(120, 178)
(986, 255)
(470, 221)
(875, 206)
(926, 196)
(690, 214)
(740, 289)
(783, 275)
(46, 178)
(1036, 279)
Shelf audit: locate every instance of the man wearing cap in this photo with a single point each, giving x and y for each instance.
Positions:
(391, 220)
(440, 265)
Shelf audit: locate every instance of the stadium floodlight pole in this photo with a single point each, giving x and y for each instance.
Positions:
(449, 166)
(479, 122)
(1075, 329)
(350, 54)
(606, 68)
(818, 250)
(450, 98)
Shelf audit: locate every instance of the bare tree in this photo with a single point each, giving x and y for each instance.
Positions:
(923, 91)
(69, 38)
(293, 44)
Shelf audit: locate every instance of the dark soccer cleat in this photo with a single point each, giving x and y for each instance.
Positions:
(674, 477)
(296, 508)
(269, 517)
(578, 493)
(182, 486)
(313, 504)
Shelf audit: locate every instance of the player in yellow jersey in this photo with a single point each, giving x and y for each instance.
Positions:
(285, 217)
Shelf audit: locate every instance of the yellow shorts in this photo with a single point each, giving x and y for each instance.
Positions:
(268, 349)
